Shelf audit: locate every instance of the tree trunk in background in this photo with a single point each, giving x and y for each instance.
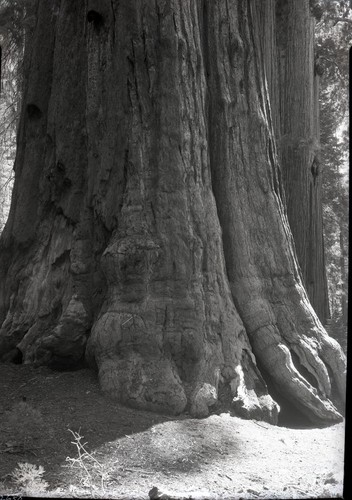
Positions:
(344, 277)
(147, 232)
(298, 133)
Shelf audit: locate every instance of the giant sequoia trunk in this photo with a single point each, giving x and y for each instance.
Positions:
(298, 135)
(147, 233)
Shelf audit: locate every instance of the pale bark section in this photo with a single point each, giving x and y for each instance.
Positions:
(266, 14)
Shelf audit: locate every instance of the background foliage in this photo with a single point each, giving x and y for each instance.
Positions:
(333, 39)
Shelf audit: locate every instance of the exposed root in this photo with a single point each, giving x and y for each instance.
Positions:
(277, 362)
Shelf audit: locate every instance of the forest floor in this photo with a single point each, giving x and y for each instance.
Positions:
(129, 452)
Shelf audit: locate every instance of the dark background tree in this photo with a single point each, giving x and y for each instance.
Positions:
(16, 25)
(148, 233)
(332, 43)
(297, 118)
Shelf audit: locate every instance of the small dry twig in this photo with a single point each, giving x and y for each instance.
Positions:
(260, 425)
(87, 462)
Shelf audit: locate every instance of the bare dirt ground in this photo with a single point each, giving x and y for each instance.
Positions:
(129, 452)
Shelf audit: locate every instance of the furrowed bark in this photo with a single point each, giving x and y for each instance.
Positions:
(159, 250)
(264, 276)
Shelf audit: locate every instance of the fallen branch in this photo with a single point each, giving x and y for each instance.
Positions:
(260, 425)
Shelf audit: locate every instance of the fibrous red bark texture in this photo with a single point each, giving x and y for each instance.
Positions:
(147, 233)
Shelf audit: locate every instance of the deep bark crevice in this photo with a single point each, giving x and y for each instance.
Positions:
(303, 370)
(33, 111)
(95, 17)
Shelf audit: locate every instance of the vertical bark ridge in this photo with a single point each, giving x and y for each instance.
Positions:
(264, 278)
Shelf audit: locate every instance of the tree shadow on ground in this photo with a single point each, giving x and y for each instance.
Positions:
(115, 434)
